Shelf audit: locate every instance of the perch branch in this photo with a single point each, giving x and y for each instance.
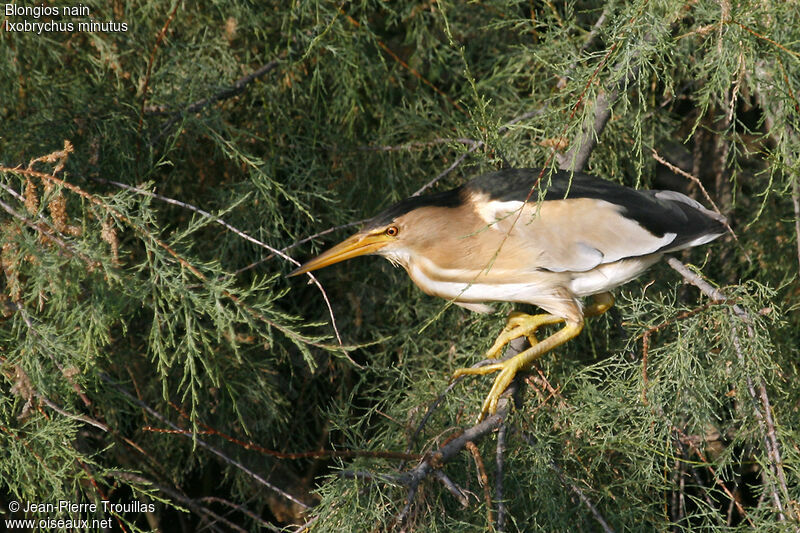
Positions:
(498, 483)
(436, 459)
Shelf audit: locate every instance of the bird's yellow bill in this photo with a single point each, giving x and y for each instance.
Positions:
(358, 244)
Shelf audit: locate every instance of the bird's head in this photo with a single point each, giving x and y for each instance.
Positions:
(407, 229)
(378, 240)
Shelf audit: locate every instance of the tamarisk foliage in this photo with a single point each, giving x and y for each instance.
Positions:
(157, 183)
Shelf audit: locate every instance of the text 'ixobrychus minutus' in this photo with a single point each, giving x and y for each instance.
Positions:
(493, 239)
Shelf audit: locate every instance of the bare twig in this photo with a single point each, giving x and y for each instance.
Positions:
(449, 450)
(451, 487)
(242, 509)
(241, 234)
(298, 243)
(424, 420)
(589, 41)
(483, 481)
(449, 169)
(581, 148)
(418, 144)
(498, 482)
(81, 418)
(475, 145)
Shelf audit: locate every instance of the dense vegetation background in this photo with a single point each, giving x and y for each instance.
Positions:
(155, 182)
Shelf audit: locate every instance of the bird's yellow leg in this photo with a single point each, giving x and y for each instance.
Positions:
(509, 368)
(521, 324)
(600, 304)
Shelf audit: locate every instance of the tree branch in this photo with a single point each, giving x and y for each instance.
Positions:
(435, 460)
(765, 419)
(238, 87)
(500, 525)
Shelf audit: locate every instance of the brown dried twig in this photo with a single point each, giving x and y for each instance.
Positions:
(146, 84)
(52, 236)
(200, 442)
(483, 481)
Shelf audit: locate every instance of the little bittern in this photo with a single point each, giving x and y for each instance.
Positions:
(484, 242)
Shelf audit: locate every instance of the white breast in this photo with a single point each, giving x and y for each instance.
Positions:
(541, 291)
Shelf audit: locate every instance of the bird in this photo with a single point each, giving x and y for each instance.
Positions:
(529, 236)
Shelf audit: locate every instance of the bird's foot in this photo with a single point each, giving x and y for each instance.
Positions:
(509, 368)
(518, 325)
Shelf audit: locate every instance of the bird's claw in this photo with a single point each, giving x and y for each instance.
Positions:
(508, 370)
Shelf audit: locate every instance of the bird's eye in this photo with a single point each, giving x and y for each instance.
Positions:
(392, 231)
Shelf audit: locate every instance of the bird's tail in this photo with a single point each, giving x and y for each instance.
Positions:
(701, 225)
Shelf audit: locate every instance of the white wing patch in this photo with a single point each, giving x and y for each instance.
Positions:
(492, 211)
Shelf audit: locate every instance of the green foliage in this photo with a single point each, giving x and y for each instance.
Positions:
(149, 352)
